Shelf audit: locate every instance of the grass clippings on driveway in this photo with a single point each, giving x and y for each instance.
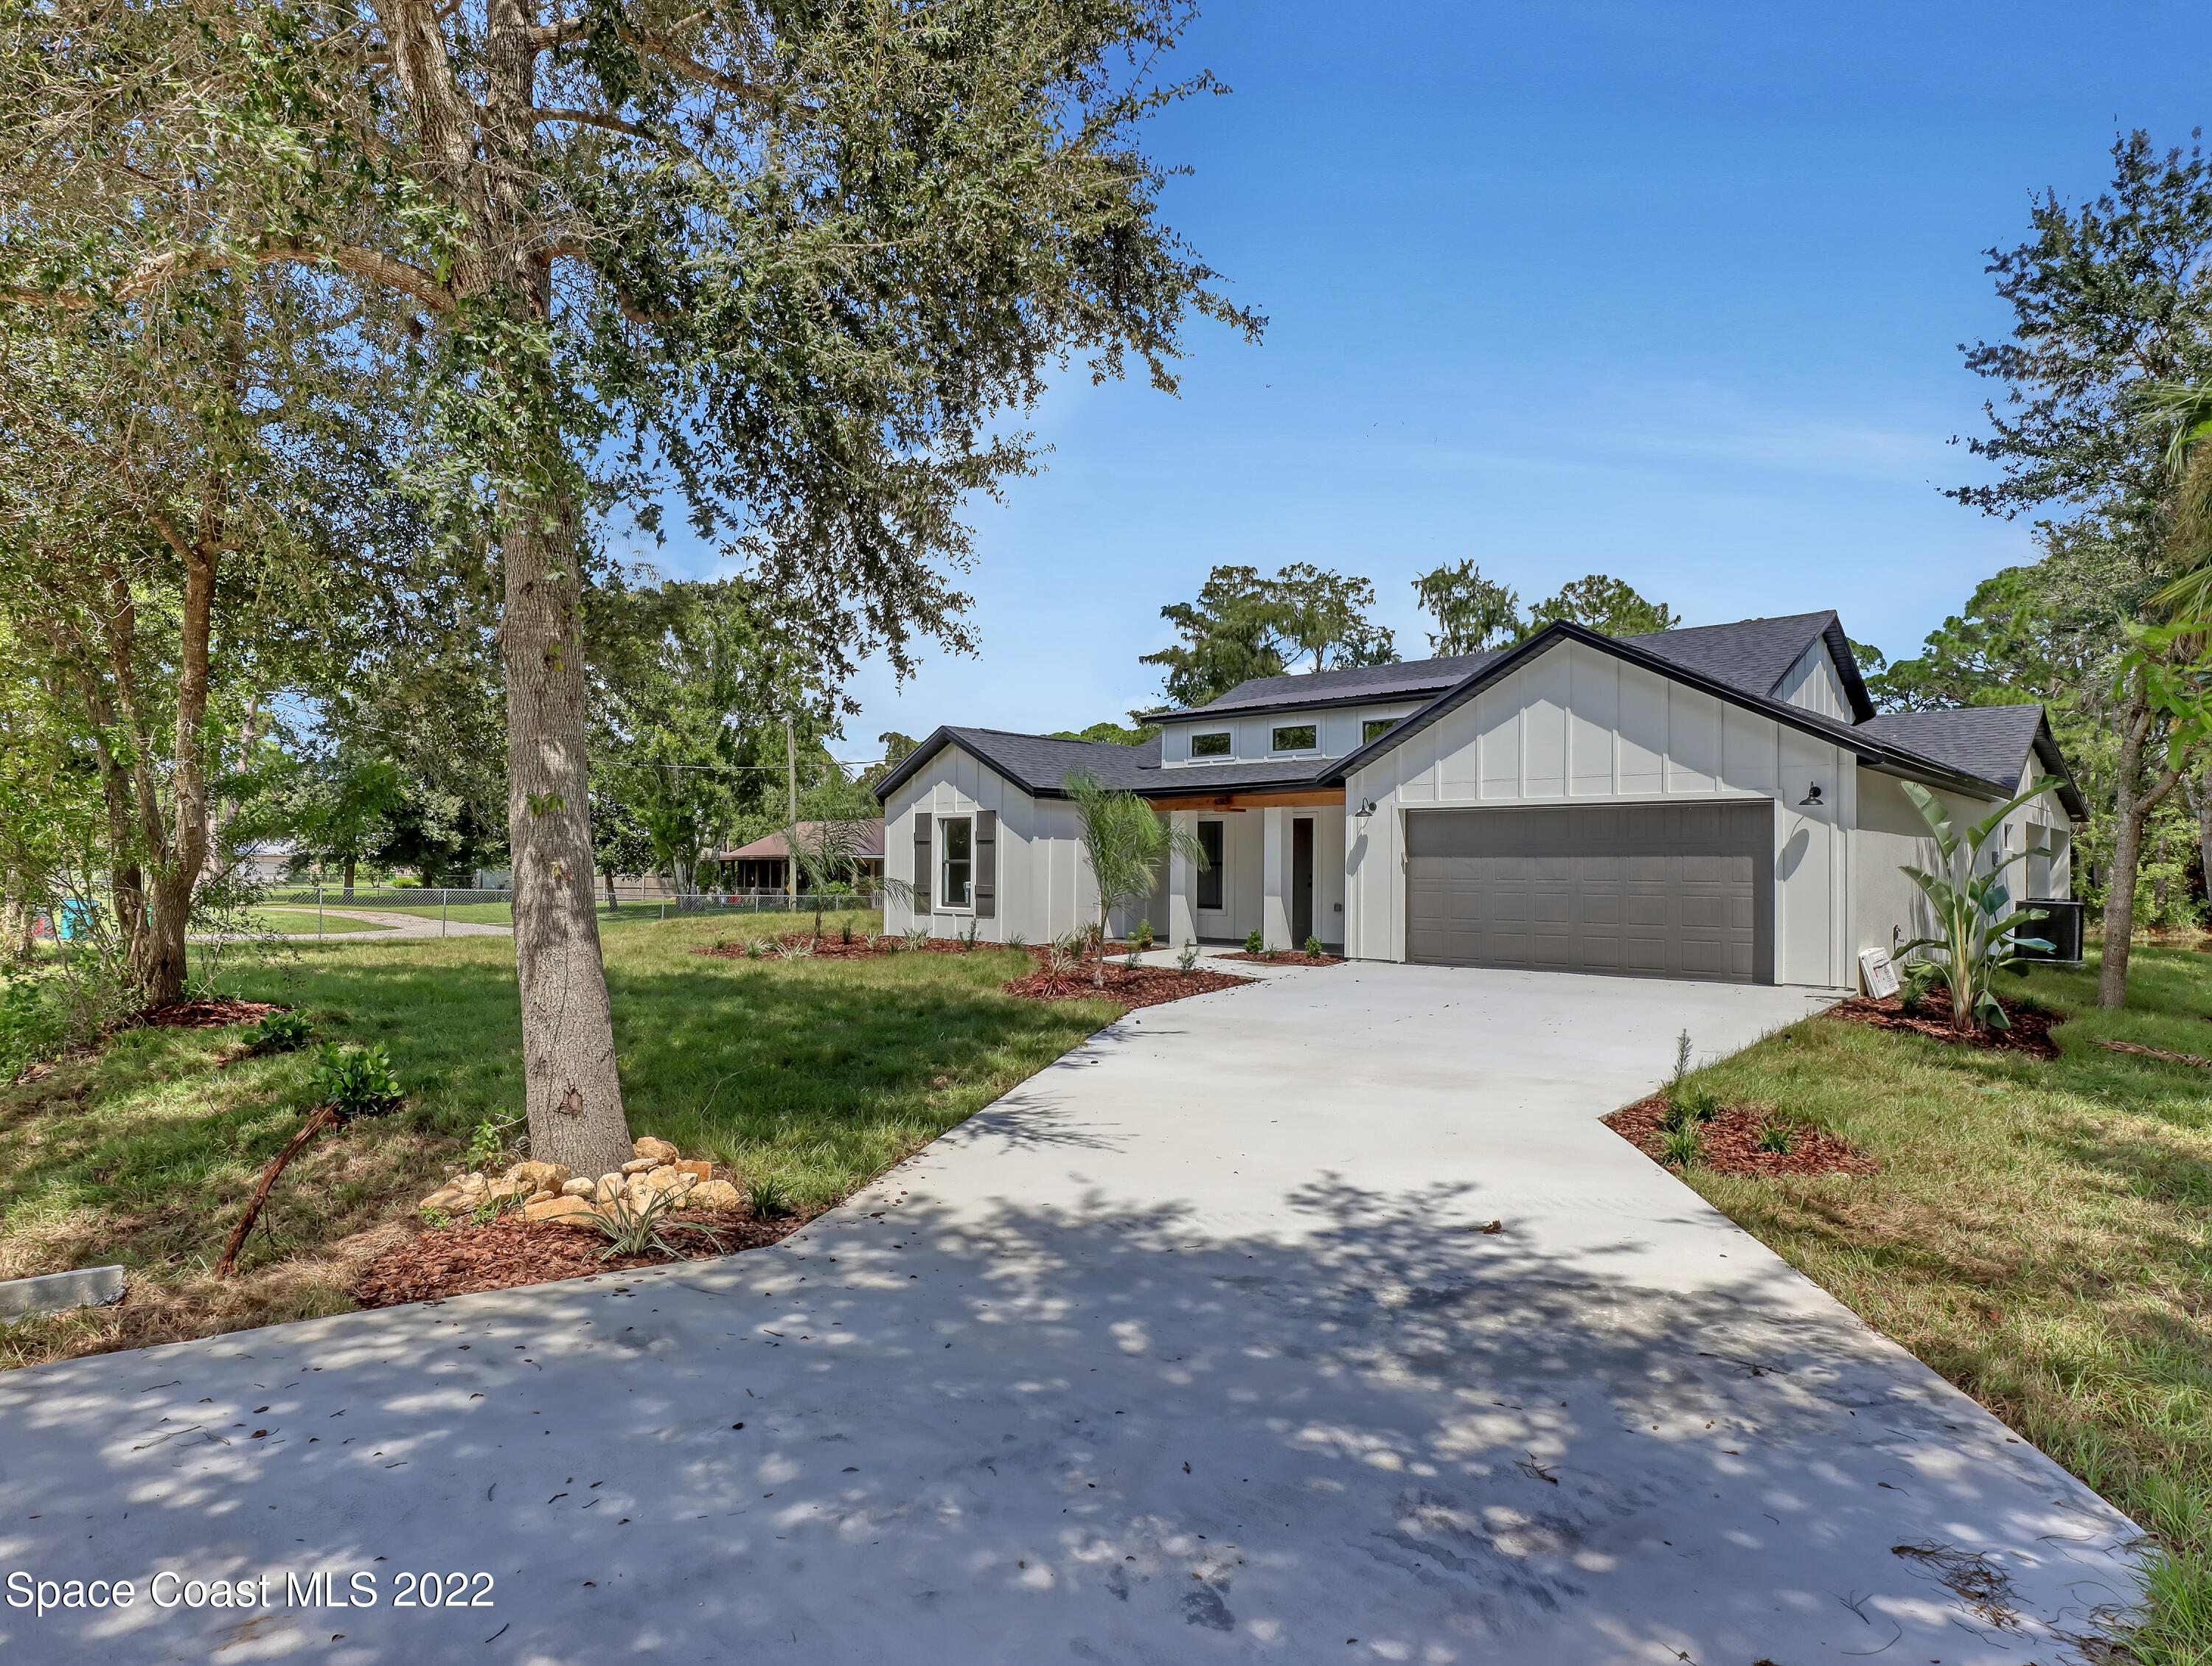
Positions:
(2038, 1231)
(815, 1073)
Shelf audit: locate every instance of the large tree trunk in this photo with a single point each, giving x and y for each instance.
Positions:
(572, 1089)
(2131, 809)
(162, 965)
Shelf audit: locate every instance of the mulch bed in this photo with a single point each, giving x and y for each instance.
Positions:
(1730, 1142)
(2030, 1032)
(199, 1014)
(1140, 986)
(1284, 957)
(457, 1260)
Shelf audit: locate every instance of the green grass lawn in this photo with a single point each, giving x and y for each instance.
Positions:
(816, 1073)
(2041, 1233)
(503, 914)
(304, 919)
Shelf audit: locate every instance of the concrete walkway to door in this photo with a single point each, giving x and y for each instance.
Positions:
(1189, 1349)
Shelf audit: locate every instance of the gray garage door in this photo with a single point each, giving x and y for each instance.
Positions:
(1647, 890)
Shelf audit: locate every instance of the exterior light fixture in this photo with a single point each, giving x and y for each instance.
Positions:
(1812, 794)
(1365, 808)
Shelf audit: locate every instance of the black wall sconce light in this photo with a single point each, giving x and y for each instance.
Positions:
(1812, 794)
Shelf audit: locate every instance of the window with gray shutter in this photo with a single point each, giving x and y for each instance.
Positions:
(986, 864)
(923, 878)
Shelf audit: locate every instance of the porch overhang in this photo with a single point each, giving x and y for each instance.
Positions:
(1298, 799)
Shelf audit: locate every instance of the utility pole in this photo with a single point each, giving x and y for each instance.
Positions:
(791, 781)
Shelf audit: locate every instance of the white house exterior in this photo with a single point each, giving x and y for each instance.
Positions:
(1720, 802)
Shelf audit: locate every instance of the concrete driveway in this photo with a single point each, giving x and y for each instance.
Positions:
(1187, 1350)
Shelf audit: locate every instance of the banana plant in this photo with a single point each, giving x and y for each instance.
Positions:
(1975, 919)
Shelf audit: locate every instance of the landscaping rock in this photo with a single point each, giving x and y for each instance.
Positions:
(558, 1209)
(640, 1165)
(667, 1178)
(713, 1195)
(697, 1169)
(578, 1188)
(508, 1191)
(609, 1187)
(660, 1150)
(541, 1177)
(446, 1200)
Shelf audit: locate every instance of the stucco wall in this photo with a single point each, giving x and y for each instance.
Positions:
(1892, 908)
(1578, 726)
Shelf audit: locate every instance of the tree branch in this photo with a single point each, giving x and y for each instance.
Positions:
(157, 270)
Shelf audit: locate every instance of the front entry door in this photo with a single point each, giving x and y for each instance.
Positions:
(1302, 896)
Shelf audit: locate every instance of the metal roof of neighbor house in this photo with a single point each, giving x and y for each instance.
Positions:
(1992, 741)
(1742, 664)
(774, 846)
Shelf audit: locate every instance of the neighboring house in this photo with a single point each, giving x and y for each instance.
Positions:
(1718, 803)
(764, 864)
(267, 861)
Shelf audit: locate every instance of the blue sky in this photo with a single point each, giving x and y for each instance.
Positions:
(1669, 291)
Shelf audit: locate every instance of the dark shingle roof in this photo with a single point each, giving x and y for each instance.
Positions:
(1992, 742)
(1397, 681)
(1751, 655)
(1040, 766)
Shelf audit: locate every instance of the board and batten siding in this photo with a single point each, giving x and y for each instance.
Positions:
(1813, 685)
(1579, 726)
(1044, 888)
(1892, 835)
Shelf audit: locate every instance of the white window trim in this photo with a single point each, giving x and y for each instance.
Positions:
(1191, 752)
(938, 904)
(1274, 751)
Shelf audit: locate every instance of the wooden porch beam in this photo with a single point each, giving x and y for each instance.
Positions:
(1303, 799)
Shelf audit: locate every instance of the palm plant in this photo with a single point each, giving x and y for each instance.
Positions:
(1125, 840)
(831, 857)
(1975, 920)
(2186, 410)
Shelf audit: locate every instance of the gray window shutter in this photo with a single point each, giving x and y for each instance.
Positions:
(986, 864)
(924, 881)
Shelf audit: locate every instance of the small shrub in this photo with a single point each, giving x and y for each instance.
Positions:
(1682, 1146)
(486, 1145)
(632, 1228)
(1685, 1109)
(917, 936)
(356, 1081)
(1921, 980)
(1187, 958)
(801, 950)
(1017, 940)
(1777, 1136)
(1141, 938)
(968, 938)
(754, 948)
(1254, 943)
(1313, 946)
(279, 1033)
(845, 933)
(768, 1197)
(1060, 960)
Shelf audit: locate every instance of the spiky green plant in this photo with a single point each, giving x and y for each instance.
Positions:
(1682, 1146)
(1975, 921)
(631, 1228)
(1124, 840)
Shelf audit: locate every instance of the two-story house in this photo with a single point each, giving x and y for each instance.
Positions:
(1718, 803)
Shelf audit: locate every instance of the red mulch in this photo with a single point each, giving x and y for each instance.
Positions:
(1141, 986)
(1730, 1142)
(2030, 1032)
(1283, 957)
(455, 1260)
(200, 1015)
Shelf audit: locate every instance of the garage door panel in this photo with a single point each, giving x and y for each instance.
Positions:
(1663, 891)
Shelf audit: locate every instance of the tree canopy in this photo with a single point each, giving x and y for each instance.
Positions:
(1244, 626)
